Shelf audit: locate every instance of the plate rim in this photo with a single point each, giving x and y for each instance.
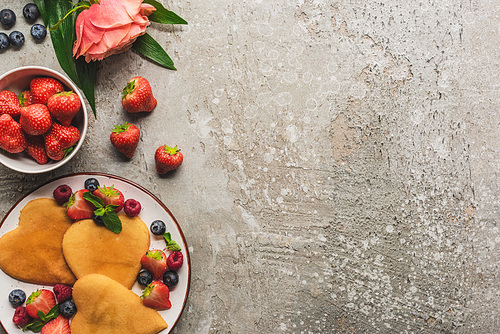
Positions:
(123, 179)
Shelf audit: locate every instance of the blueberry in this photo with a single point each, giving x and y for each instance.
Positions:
(7, 17)
(170, 278)
(97, 219)
(39, 32)
(144, 278)
(67, 308)
(4, 41)
(91, 184)
(158, 227)
(17, 297)
(31, 12)
(16, 38)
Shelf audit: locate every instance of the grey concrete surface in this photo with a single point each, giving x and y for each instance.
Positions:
(341, 161)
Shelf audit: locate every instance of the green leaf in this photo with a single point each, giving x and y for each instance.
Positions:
(112, 221)
(98, 203)
(149, 48)
(52, 314)
(34, 326)
(83, 74)
(171, 244)
(163, 15)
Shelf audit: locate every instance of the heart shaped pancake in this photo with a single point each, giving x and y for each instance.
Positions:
(32, 252)
(93, 249)
(107, 307)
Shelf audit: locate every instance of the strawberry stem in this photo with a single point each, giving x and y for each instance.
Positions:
(171, 150)
(121, 128)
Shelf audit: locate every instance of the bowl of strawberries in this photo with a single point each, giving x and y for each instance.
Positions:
(43, 119)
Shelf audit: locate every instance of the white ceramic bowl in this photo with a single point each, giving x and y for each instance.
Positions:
(18, 80)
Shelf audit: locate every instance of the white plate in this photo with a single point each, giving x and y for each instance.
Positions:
(152, 209)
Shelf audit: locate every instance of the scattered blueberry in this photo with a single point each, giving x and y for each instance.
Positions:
(158, 227)
(31, 12)
(16, 38)
(39, 32)
(97, 219)
(144, 278)
(7, 17)
(170, 278)
(4, 41)
(17, 297)
(91, 184)
(67, 308)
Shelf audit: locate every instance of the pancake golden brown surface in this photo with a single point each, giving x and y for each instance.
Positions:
(33, 251)
(90, 248)
(107, 307)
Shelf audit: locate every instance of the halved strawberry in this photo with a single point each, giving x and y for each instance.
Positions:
(79, 208)
(155, 261)
(156, 295)
(110, 196)
(59, 325)
(40, 300)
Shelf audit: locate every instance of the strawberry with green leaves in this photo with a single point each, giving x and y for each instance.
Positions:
(41, 300)
(137, 96)
(12, 137)
(125, 138)
(64, 106)
(167, 159)
(155, 261)
(77, 207)
(110, 196)
(43, 87)
(156, 295)
(9, 103)
(60, 139)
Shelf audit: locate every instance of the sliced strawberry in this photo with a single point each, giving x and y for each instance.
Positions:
(79, 208)
(155, 261)
(40, 300)
(156, 295)
(110, 196)
(59, 325)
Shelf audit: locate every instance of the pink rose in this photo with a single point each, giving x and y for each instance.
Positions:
(110, 27)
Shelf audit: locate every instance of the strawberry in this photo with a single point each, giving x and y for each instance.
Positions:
(79, 208)
(43, 88)
(156, 295)
(125, 138)
(59, 139)
(36, 149)
(59, 325)
(64, 106)
(25, 98)
(137, 96)
(40, 300)
(167, 159)
(9, 103)
(35, 119)
(155, 261)
(110, 196)
(12, 138)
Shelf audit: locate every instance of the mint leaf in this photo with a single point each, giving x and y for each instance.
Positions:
(171, 244)
(35, 326)
(98, 203)
(112, 221)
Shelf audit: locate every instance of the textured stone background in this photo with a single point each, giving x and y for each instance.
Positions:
(341, 161)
